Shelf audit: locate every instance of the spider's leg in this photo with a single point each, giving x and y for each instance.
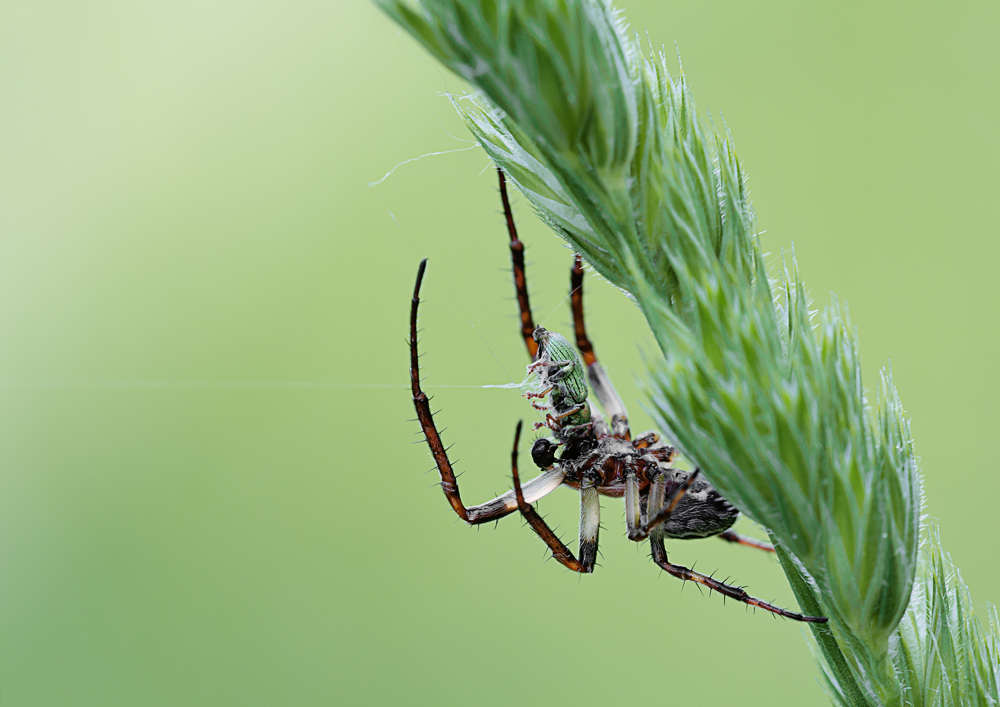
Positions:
(590, 524)
(733, 537)
(576, 302)
(601, 427)
(659, 552)
(633, 507)
(646, 440)
(660, 558)
(505, 504)
(598, 377)
(559, 550)
(663, 510)
(520, 278)
(491, 510)
(654, 503)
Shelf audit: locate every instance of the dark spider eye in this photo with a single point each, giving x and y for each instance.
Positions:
(543, 453)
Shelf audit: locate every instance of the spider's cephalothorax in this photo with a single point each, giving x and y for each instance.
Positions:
(590, 451)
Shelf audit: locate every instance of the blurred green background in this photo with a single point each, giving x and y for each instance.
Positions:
(203, 499)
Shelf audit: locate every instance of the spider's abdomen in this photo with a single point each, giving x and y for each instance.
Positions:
(702, 511)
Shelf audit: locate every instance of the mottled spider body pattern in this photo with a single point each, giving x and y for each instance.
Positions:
(590, 451)
(701, 512)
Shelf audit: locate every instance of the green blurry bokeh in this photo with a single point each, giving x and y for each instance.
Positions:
(186, 227)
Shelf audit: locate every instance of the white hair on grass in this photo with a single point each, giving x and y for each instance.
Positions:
(416, 159)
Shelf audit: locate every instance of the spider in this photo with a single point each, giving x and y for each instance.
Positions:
(599, 455)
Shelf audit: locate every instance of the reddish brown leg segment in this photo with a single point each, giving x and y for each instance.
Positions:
(448, 482)
(537, 523)
(491, 510)
(520, 278)
(660, 558)
(599, 380)
(732, 536)
(576, 302)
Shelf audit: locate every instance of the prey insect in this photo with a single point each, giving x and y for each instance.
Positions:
(597, 454)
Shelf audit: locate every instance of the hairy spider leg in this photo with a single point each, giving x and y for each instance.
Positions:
(638, 528)
(659, 553)
(600, 382)
(588, 525)
(599, 424)
(661, 516)
(537, 488)
(590, 522)
(520, 278)
(732, 536)
(633, 506)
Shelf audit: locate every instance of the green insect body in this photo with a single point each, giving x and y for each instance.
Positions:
(559, 366)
